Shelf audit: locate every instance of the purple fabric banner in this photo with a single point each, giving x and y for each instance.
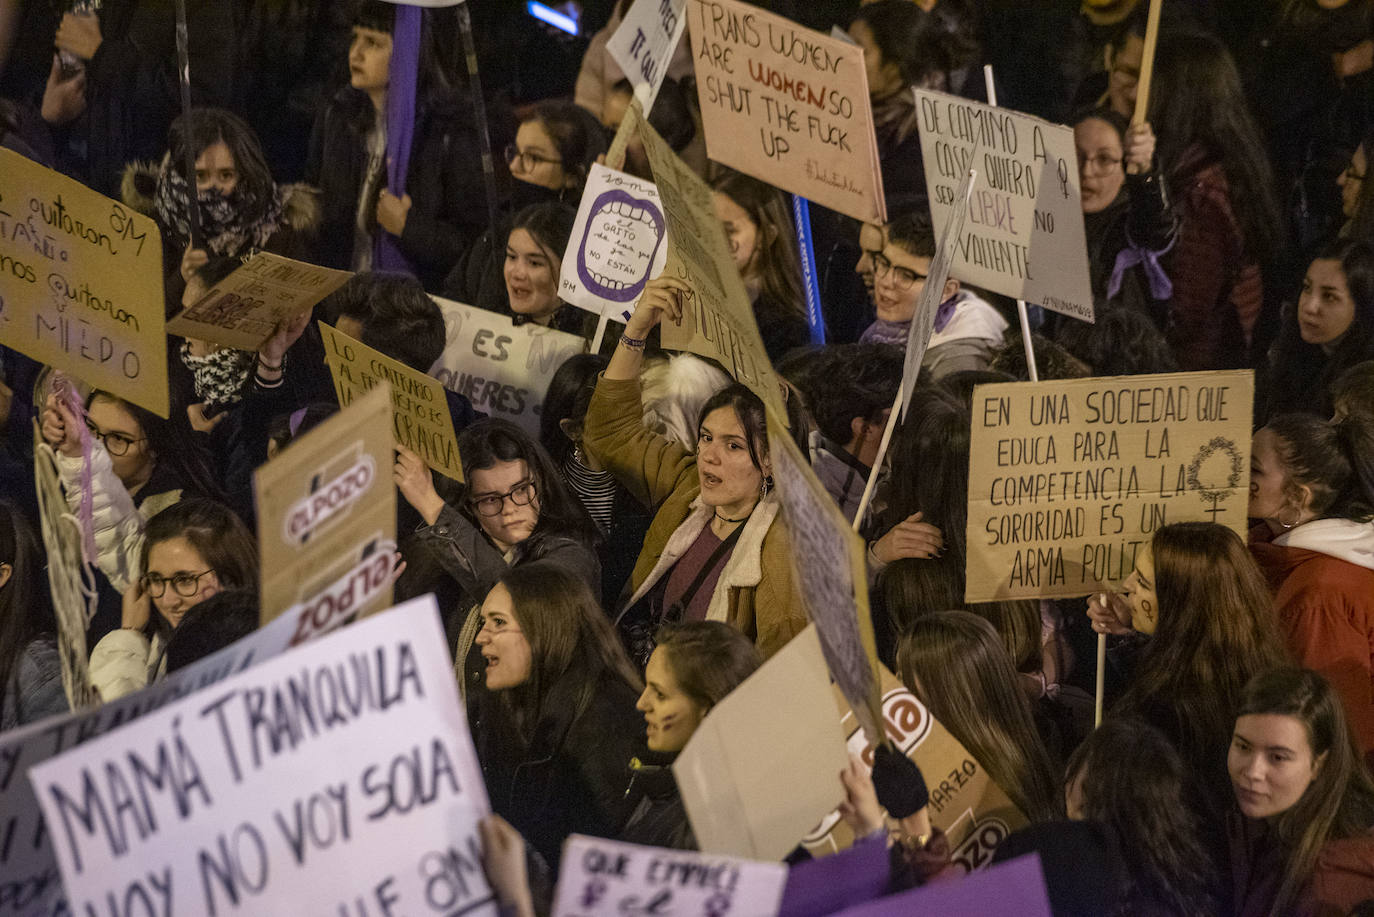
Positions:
(823, 886)
(400, 126)
(1012, 889)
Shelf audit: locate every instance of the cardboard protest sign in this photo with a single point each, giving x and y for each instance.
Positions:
(974, 812)
(619, 242)
(420, 417)
(243, 309)
(339, 776)
(70, 579)
(81, 283)
(29, 881)
(928, 303)
(718, 320)
(1024, 236)
(327, 519)
(607, 877)
(828, 559)
(1067, 480)
(778, 722)
(644, 44)
(1015, 888)
(787, 105)
(503, 368)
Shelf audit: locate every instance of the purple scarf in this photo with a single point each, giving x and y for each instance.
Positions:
(400, 126)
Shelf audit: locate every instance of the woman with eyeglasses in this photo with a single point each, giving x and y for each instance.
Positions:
(140, 464)
(554, 150)
(515, 509)
(191, 551)
(1126, 214)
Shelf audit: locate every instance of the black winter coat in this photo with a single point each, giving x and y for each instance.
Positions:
(570, 776)
(444, 181)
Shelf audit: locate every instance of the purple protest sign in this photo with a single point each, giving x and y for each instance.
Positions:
(822, 886)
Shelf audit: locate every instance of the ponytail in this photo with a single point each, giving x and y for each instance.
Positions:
(1334, 460)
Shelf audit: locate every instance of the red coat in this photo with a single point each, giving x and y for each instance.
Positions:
(1326, 611)
(1342, 877)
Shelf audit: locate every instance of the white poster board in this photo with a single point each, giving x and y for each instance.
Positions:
(503, 368)
(1024, 234)
(619, 243)
(607, 877)
(339, 777)
(644, 44)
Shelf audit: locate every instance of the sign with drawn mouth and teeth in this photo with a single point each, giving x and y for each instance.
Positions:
(618, 244)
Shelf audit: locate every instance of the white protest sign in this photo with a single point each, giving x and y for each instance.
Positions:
(1024, 236)
(1068, 479)
(339, 777)
(29, 883)
(619, 243)
(644, 44)
(503, 368)
(607, 877)
(781, 720)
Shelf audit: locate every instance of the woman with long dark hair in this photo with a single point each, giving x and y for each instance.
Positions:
(1302, 830)
(191, 551)
(1219, 178)
(561, 728)
(716, 549)
(30, 672)
(956, 664)
(1312, 496)
(759, 228)
(1330, 330)
(1199, 596)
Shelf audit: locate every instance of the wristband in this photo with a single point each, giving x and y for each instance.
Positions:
(269, 367)
(633, 343)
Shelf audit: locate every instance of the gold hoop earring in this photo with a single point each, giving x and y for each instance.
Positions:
(1297, 518)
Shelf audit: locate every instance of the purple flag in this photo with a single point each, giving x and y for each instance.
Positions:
(400, 126)
(825, 885)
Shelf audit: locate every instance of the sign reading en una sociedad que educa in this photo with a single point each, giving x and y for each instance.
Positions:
(81, 283)
(503, 368)
(420, 416)
(1068, 480)
(338, 777)
(787, 105)
(327, 519)
(1024, 233)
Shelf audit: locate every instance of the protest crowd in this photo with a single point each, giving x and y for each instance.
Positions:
(731, 348)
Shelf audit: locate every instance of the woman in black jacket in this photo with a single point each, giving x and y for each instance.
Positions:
(438, 215)
(561, 725)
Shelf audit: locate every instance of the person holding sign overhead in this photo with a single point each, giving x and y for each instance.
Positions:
(1312, 490)
(562, 725)
(1302, 830)
(716, 549)
(763, 242)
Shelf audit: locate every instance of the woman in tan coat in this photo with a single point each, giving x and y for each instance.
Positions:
(716, 549)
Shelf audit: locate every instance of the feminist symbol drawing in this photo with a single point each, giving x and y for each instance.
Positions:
(1210, 464)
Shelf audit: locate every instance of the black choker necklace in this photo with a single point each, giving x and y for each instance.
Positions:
(731, 521)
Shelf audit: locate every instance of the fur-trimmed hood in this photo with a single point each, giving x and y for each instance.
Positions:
(300, 202)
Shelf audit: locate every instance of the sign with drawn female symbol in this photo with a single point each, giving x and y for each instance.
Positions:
(619, 243)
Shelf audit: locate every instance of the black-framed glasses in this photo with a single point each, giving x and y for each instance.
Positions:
(904, 278)
(1102, 162)
(116, 443)
(521, 494)
(528, 161)
(184, 584)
